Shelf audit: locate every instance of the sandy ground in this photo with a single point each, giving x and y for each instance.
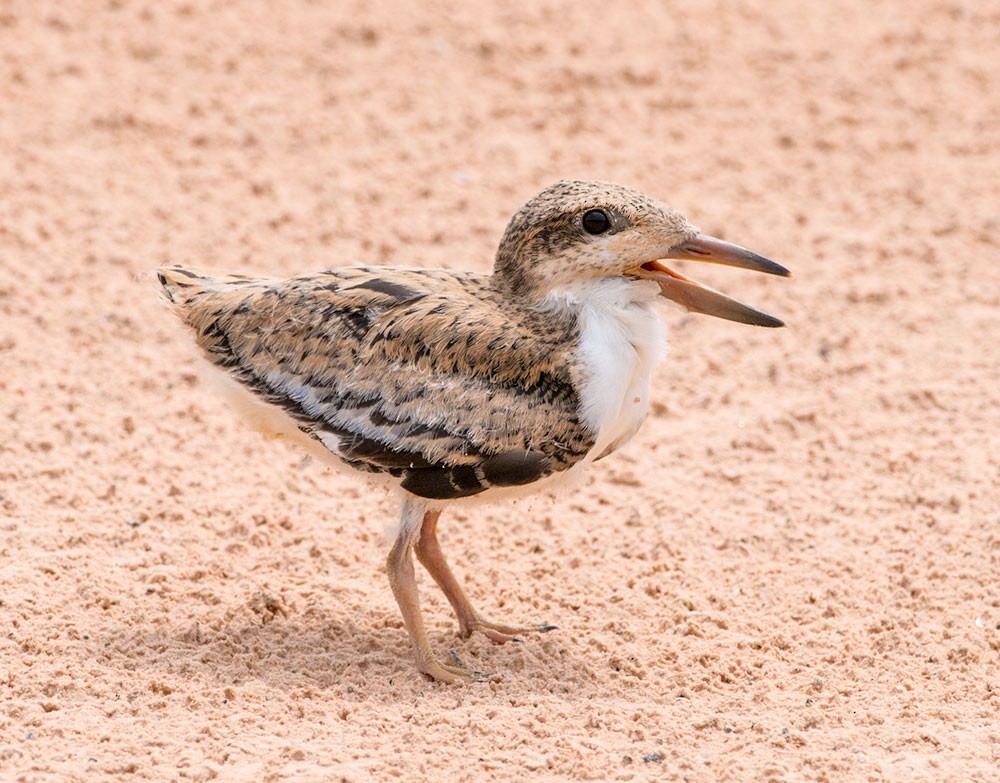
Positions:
(790, 574)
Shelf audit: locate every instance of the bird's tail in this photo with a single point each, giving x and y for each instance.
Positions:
(182, 285)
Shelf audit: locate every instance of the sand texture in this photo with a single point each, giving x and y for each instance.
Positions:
(791, 574)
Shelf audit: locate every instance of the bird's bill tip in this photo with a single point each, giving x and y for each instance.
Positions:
(706, 248)
(699, 298)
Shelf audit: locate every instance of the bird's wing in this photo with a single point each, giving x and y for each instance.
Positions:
(414, 373)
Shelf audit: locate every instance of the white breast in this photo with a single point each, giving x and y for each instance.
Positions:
(621, 342)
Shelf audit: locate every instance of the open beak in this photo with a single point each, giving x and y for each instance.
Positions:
(699, 298)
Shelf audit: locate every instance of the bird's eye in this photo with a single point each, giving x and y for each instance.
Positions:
(596, 221)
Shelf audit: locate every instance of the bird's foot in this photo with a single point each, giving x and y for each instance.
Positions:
(498, 633)
(443, 672)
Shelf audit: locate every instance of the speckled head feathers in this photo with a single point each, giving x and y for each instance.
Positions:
(549, 243)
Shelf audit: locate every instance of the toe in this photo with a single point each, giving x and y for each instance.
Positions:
(497, 637)
(499, 633)
(455, 674)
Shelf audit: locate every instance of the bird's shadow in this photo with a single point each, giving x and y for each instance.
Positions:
(320, 652)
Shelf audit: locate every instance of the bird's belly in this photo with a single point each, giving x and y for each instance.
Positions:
(631, 415)
(274, 422)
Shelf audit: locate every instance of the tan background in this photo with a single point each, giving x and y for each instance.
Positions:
(791, 573)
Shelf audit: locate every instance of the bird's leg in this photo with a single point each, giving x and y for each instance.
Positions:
(469, 620)
(403, 581)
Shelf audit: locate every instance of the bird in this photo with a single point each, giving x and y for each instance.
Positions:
(451, 385)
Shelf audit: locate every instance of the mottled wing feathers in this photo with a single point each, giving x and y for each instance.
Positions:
(422, 375)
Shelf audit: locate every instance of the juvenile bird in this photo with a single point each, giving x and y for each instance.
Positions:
(448, 385)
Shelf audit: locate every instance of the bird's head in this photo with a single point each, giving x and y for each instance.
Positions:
(579, 231)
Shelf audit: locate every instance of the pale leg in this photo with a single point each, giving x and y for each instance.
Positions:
(469, 620)
(403, 581)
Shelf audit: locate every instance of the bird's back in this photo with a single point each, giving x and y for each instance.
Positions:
(426, 376)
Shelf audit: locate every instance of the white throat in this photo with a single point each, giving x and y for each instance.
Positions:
(622, 340)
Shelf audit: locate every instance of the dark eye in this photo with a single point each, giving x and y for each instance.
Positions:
(596, 221)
